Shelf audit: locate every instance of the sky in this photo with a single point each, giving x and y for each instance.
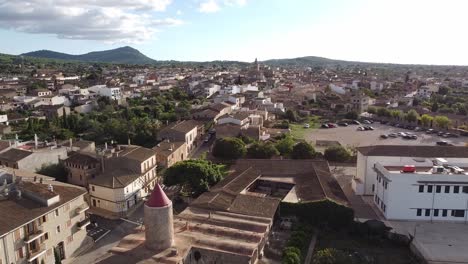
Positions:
(392, 31)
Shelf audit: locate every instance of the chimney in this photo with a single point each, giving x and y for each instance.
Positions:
(40, 180)
(50, 188)
(129, 142)
(71, 143)
(36, 143)
(172, 147)
(105, 146)
(18, 194)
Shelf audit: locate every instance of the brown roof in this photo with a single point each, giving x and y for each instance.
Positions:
(254, 206)
(185, 126)
(137, 153)
(14, 155)
(17, 212)
(115, 178)
(164, 147)
(415, 151)
(4, 144)
(81, 158)
(219, 106)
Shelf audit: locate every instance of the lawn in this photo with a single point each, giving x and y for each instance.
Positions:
(298, 131)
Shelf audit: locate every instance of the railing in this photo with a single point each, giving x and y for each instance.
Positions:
(38, 232)
(83, 224)
(34, 254)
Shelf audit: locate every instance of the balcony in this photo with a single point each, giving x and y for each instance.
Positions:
(34, 235)
(83, 224)
(81, 209)
(34, 254)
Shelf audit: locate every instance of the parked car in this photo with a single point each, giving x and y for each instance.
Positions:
(343, 124)
(306, 126)
(324, 126)
(440, 133)
(331, 125)
(207, 138)
(368, 128)
(355, 122)
(383, 136)
(367, 122)
(418, 129)
(443, 143)
(383, 122)
(360, 128)
(413, 137)
(392, 135)
(401, 134)
(430, 131)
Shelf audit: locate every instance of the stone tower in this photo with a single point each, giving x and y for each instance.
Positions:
(158, 219)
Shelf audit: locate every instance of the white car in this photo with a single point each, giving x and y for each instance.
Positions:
(306, 125)
(361, 128)
(401, 134)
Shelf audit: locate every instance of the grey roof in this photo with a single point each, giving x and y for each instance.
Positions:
(415, 151)
(115, 178)
(137, 153)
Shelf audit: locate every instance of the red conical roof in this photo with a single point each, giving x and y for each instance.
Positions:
(158, 198)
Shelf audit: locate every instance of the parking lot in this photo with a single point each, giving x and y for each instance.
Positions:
(349, 136)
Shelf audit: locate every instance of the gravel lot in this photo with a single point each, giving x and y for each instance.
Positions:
(349, 136)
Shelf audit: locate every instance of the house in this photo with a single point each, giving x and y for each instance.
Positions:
(426, 91)
(81, 167)
(40, 92)
(398, 155)
(29, 159)
(188, 131)
(39, 217)
(127, 177)
(170, 152)
(53, 111)
(360, 102)
(213, 111)
(239, 118)
(112, 93)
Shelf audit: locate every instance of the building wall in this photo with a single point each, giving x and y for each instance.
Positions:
(37, 159)
(212, 256)
(402, 197)
(79, 174)
(177, 155)
(71, 236)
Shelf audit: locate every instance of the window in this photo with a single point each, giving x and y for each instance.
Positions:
(19, 253)
(92, 188)
(429, 188)
(444, 213)
(458, 213)
(438, 189)
(373, 187)
(436, 212)
(421, 188)
(58, 229)
(56, 212)
(70, 239)
(68, 223)
(17, 234)
(447, 189)
(456, 189)
(428, 212)
(46, 236)
(419, 212)
(465, 189)
(386, 184)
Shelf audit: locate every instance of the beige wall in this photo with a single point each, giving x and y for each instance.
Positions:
(71, 236)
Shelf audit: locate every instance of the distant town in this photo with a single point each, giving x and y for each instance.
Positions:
(306, 160)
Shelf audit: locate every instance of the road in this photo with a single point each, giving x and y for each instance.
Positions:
(203, 148)
(119, 229)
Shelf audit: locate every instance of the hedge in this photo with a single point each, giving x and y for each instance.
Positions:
(323, 212)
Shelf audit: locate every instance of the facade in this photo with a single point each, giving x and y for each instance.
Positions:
(127, 178)
(189, 131)
(436, 193)
(81, 167)
(32, 160)
(113, 93)
(39, 218)
(390, 155)
(360, 103)
(168, 153)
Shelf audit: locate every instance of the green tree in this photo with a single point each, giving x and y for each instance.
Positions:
(303, 150)
(194, 175)
(396, 114)
(442, 121)
(435, 107)
(383, 112)
(426, 120)
(412, 116)
(229, 148)
(337, 154)
(260, 150)
(285, 145)
(372, 110)
(57, 171)
(291, 115)
(352, 115)
(331, 256)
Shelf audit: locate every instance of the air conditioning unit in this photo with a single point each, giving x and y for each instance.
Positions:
(438, 169)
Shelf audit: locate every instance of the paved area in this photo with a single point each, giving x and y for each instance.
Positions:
(118, 230)
(438, 242)
(344, 176)
(349, 136)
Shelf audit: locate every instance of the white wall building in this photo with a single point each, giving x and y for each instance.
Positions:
(429, 193)
(111, 92)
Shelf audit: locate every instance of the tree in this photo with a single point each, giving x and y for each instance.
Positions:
(262, 151)
(303, 150)
(194, 175)
(285, 145)
(435, 107)
(383, 112)
(57, 171)
(396, 114)
(442, 121)
(331, 256)
(337, 154)
(372, 110)
(352, 115)
(443, 90)
(229, 148)
(412, 116)
(291, 115)
(426, 120)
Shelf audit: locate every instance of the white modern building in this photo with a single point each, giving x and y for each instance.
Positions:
(434, 188)
(111, 92)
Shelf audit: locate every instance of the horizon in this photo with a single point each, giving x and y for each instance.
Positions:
(389, 32)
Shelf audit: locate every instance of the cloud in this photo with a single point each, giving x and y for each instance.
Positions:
(212, 6)
(103, 20)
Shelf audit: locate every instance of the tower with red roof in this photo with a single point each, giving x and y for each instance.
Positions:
(158, 219)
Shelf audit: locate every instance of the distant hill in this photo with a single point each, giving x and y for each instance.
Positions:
(124, 55)
(310, 61)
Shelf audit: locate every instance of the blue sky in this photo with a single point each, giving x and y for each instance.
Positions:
(398, 31)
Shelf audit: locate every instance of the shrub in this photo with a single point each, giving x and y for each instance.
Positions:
(229, 148)
(303, 150)
(337, 154)
(262, 151)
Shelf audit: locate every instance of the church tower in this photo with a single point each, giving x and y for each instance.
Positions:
(158, 220)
